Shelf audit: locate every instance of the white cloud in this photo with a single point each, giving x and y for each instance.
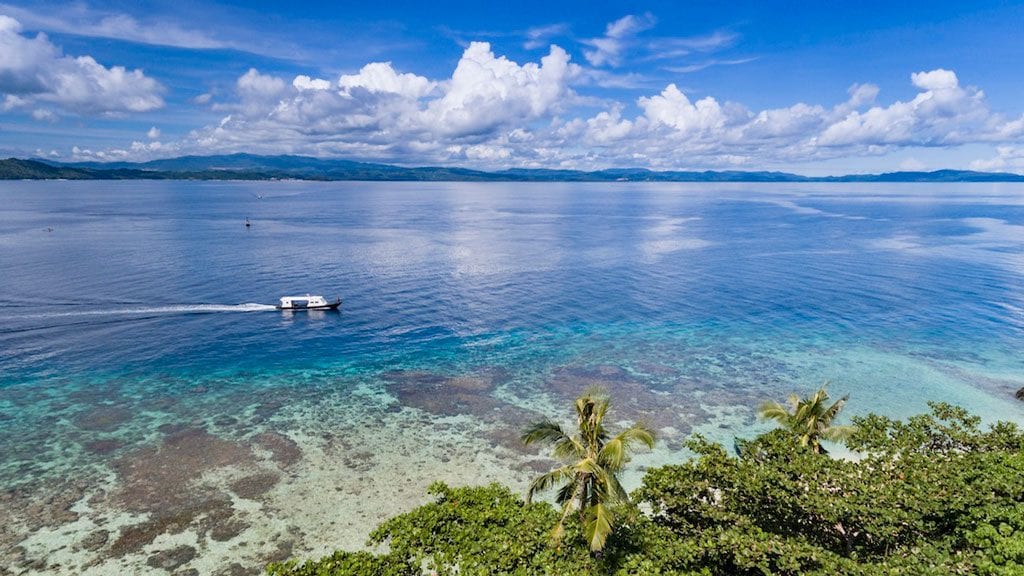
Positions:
(675, 132)
(943, 113)
(383, 113)
(304, 82)
(608, 49)
(257, 92)
(80, 20)
(380, 77)
(493, 112)
(153, 133)
(252, 84)
(673, 108)
(34, 71)
(1007, 159)
(667, 48)
(135, 152)
(935, 80)
(690, 68)
(183, 30)
(487, 92)
(43, 114)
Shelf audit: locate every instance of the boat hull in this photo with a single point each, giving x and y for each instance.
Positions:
(329, 306)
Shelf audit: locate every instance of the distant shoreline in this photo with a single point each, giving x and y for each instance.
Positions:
(268, 168)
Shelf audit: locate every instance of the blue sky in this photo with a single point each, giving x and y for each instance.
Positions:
(809, 87)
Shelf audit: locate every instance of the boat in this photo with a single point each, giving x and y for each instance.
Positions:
(307, 302)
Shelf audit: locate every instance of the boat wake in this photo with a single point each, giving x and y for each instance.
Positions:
(148, 310)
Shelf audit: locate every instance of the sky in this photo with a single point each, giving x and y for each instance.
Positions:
(815, 88)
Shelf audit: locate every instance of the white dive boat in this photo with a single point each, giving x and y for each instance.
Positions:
(307, 302)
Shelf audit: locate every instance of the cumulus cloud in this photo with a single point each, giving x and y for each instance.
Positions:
(942, 113)
(672, 108)
(486, 92)
(381, 112)
(493, 112)
(381, 78)
(675, 131)
(33, 71)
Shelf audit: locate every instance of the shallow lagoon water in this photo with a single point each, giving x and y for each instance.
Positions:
(156, 414)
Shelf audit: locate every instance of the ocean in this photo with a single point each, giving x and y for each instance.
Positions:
(156, 410)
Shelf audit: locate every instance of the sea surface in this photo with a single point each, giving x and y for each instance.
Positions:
(158, 414)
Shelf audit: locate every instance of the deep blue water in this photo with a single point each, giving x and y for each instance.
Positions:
(427, 270)
(674, 296)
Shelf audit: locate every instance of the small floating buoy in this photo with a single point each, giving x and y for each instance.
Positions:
(247, 224)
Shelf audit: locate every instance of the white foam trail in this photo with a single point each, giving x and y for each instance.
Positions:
(170, 309)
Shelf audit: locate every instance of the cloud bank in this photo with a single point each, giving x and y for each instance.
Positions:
(493, 112)
(36, 76)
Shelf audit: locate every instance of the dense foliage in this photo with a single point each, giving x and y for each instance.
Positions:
(931, 495)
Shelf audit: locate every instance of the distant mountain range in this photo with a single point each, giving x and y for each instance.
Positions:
(254, 167)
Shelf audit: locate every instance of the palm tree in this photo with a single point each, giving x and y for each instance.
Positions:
(809, 418)
(591, 462)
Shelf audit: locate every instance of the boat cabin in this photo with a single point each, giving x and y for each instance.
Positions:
(307, 302)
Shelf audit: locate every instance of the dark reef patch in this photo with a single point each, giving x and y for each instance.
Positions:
(95, 540)
(103, 447)
(102, 418)
(172, 559)
(252, 487)
(284, 451)
(160, 478)
(165, 482)
(633, 399)
(445, 395)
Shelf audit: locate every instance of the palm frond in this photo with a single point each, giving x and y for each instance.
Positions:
(772, 410)
(597, 525)
(557, 533)
(587, 466)
(568, 447)
(617, 492)
(615, 453)
(832, 411)
(543, 431)
(545, 481)
(639, 433)
(565, 493)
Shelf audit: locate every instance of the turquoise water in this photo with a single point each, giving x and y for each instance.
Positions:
(139, 355)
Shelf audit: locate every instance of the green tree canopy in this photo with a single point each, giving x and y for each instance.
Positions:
(931, 495)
